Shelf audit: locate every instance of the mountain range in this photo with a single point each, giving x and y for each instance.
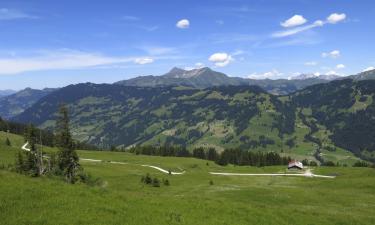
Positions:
(14, 104)
(323, 120)
(206, 77)
(6, 92)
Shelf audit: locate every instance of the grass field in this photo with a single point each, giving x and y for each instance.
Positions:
(190, 199)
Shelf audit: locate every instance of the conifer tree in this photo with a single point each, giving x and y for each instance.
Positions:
(68, 160)
(7, 142)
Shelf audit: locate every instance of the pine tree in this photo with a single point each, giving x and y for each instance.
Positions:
(7, 142)
(67, 158)
(34, 162)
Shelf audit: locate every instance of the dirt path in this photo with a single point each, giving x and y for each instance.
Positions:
(24, 147)
(307, 173)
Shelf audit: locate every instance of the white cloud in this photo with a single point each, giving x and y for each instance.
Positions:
(332, 72)
(312, 63)
(59, 59)
(332, 19)
(238, 52)
(295, 20)
(340, 66)
(273, 74)
(317, 74)
(335, 18)
(368, 69)
(10, 14)
(199, 65)
(142, 61)
(183, 24)
(221, 59)
(158, 50)
(333, 54)
(289, 32)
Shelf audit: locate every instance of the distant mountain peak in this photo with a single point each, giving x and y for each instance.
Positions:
(176, 72)
(305, 76)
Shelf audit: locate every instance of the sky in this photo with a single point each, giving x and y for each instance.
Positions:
(47, 43)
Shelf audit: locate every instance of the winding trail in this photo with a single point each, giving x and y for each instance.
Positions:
(307, 173)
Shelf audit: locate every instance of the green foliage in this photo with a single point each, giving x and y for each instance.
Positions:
(155, 182)
(68, 160)
(7, 142)
(166, 182)
(361, 164)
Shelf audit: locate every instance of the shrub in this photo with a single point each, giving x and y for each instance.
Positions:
(146, 179)
(166, 182)
(360, 164)
(7, 142)
(155, 182)
(329, 163)
(211, 182)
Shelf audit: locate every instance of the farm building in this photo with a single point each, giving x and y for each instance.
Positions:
(295, 165)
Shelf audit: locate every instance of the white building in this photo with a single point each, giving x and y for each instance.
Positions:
(295, 165)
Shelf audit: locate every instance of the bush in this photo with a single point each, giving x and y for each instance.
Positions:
(360, 164)
(7, 142)
(166, 182)
(155, 182)
(146, 179)
(211, 182)
(88, 179)
(313, 163)
(329, 163)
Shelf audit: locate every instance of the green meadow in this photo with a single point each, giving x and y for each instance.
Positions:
(121, 198)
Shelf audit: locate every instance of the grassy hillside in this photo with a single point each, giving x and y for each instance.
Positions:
(190, 199)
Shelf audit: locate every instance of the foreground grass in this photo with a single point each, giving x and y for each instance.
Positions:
(122, 199)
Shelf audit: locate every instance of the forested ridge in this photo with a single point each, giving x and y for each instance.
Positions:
(323, 117)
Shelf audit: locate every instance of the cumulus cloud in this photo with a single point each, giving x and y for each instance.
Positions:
(336, 17)
(142, 61)
(293, 21)
(11, 14)
(332, 19)
(273, 74)
(220, 59)
(183, 24)
(58, 59)
(340, 66)
(333, 54)
(368, 69)
(312, 63)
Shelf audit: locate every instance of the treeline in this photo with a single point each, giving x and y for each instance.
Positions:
(44, 137)
(228, 156)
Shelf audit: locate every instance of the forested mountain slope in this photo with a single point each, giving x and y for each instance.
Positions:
(16, 103)
(320, 121)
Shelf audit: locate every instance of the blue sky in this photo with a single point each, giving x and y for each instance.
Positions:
(55, 43)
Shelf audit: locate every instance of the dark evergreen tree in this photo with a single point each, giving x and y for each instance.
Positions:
(7, 142)
(68, 160)
(212, 154)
